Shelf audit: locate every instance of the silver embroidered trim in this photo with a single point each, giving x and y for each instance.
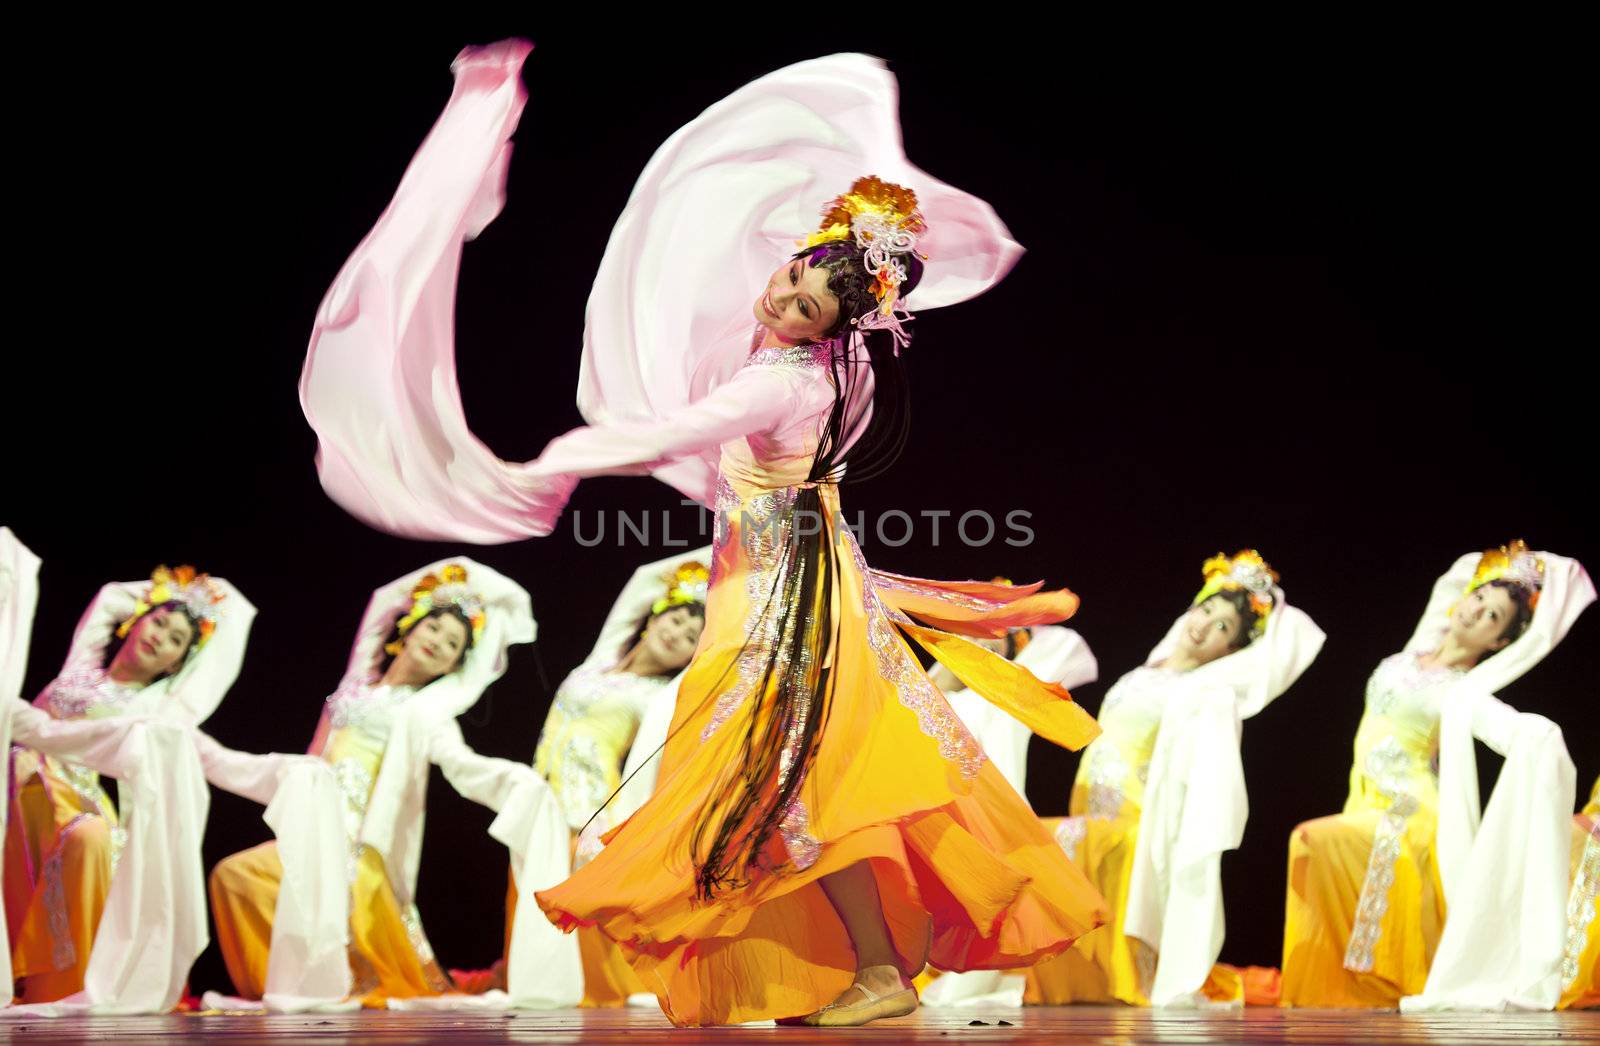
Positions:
(63, 953)
(795, 828)
(765, 527)
(355, 785)
(85, 782)
(803, 356)
(364, 703)
(934, 715)
(77, 693)
(412, 919)
(1387, 764)
(584, 784)
(1399, 675)
(1581, 905)
(1070, 833)
(1144, 961)
(724, 507)
(1107, 771)
(901, 583)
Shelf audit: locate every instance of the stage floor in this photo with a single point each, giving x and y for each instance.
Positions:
(1057, 1024)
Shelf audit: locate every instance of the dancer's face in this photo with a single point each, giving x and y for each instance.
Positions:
(156, 645)
(796, 304)
(1479, 622)
(1210, 630)
(435, 645)
(672, 635)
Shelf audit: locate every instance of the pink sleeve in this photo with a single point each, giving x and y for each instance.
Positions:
(379, 384)
(757, 400)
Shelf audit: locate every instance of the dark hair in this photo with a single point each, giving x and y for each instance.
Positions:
(114, 647)
(697, 609)
(386, 659)
(884, 437)
(1239, 599)
(1521, 611)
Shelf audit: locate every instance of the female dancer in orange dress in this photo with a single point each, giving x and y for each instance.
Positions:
(823, 823)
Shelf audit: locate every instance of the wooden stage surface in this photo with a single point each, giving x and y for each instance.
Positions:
(1058, 1024)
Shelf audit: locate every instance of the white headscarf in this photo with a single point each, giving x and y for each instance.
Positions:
(1195, 804)
(1504, 869)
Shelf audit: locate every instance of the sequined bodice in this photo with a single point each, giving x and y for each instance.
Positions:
(591, 723)
(595, 688)
(360, 715)
(88, 693)
(807, 356)
(367, 707)
(783, 456)
(1399, 736)
(1112, 773)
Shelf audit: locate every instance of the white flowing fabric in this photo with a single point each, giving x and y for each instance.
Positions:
(718, 207)
(154, 923)
(1195, 803)
(1055, 655)
(1505, 879)
(313, 972)
(19, 596)
(308, 968)
(544, 969)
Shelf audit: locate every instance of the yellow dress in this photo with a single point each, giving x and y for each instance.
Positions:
(1365, 907)
(390, 956)
(1581, 969)
(968, 877)
(1099, 837)
(62, 844)
(586, 736)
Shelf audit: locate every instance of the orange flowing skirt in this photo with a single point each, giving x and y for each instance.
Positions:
(968, 877)
(59, 857)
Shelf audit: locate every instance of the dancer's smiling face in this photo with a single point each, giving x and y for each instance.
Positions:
(1482, 621)
(796, 304)
(1210, 630)
(672, 635)
(156, 645)
(436, 644)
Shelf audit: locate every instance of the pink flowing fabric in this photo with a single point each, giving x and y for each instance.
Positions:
(715, 211)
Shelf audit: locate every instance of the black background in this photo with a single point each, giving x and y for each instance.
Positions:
(1314, 289)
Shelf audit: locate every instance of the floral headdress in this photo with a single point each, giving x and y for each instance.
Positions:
(883, 221)
(1246, 572)
(1513, 563)
(448, 588)
(199, 596)
(688, 584)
